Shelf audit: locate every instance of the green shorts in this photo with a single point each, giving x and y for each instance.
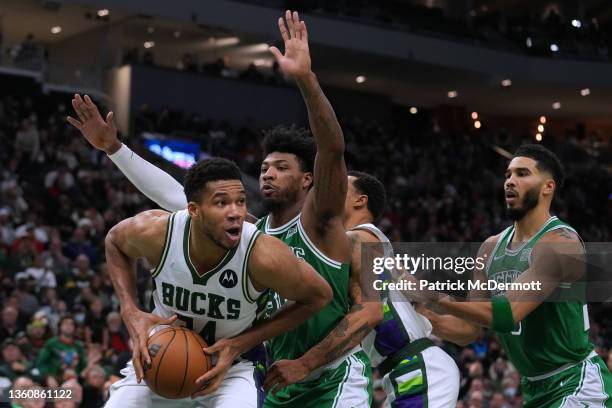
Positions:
(586, 384)
(346, 386)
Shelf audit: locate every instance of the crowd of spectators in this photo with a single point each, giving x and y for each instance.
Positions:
(60, 325)
(524, 28)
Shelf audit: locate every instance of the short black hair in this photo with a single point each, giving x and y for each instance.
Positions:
(205, 171)
(370, 186)
(297, 141)
(545, 161)
(67, 316)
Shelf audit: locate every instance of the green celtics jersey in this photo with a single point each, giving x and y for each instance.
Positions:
(296, 342)
(555, 333)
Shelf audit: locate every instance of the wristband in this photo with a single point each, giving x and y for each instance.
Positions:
(503, 322)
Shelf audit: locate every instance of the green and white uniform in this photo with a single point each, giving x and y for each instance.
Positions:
(345, 382)
(550, 347)
(218, 303)
(415, 373)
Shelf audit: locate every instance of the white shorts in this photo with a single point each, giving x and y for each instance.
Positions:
(429, 379)
(241, 387)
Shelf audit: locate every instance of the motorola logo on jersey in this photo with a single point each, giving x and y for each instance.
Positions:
(228, 279)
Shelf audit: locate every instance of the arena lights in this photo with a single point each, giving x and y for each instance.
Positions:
(556, 105)
(360, 79)
(541, 128)
(477, 124)
(103, 13)
(538, 137)
(543, 119)
(177, 34)
(528, 42)
(554, 47)
(474, 115)
(452, 94)
(576, 23)
(56, 30)
(414, 110)
(585, 92)
(149, 44)
(227, 41)
(506, 83)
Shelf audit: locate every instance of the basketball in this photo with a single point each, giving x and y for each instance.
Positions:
(177, 361)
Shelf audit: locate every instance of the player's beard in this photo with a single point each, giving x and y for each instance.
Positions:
(532, 197)
(286, 199)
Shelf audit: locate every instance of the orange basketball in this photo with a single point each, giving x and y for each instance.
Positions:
(177, 360)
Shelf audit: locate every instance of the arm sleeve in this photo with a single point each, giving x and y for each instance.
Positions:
(152, 181)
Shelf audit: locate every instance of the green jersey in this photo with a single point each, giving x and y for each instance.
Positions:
(555, 333)
(295, 343)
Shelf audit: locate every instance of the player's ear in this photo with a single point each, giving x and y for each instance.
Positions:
(307, 180)
(193, 209)
(549, 187)
(361, 201)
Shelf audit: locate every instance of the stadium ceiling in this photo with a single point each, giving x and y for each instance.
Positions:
(406, 82)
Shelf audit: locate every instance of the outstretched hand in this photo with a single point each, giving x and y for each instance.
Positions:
(102, 134)
(296, 60)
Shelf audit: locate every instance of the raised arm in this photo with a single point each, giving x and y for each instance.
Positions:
(152, 181)
(134, 238)
(272, 265)
(363, 316)
(326, 200)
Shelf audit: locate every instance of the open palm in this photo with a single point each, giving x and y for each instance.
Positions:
(296, 60)
(102, 134)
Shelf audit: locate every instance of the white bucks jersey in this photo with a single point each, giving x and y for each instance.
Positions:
(401, 323)
(218, 303)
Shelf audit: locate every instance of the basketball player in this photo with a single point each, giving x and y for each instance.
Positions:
(415, 372)
(211, 268)
(548, 342)
(306, 200)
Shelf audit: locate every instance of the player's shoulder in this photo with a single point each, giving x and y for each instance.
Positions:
(488, 245)
(561, 234)
(145, 226)
(361, 235)
(151, 221)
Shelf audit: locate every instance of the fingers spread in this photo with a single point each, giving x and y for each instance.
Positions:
(304, 30)
(144, 351)
(90, 107)
(289, 20)
(74, 122)
(168, 320)
(283, 29)
(137, 364)
(276, 52)
(296, 25)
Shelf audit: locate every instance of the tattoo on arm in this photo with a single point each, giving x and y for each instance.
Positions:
(343, 346)
(562, 232)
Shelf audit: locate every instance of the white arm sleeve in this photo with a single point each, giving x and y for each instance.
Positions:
(152, 181)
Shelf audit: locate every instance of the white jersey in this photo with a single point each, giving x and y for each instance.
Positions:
(401, 323)
(218, 303)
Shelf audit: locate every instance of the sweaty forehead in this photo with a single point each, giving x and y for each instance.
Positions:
(523, 162)
(224, 187)
(277, 157)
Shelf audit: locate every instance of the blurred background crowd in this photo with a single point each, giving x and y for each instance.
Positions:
(214, 84)
(60, 324)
